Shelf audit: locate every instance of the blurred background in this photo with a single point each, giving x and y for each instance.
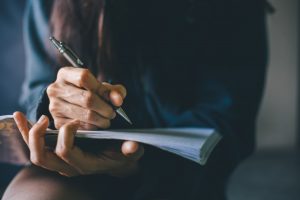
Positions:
(273, 171)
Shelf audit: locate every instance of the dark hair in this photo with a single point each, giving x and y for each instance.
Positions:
(82, 25)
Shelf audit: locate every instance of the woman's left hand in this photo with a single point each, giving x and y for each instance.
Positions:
(69, 160)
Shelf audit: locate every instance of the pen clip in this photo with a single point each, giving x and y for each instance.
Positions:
(69, 54)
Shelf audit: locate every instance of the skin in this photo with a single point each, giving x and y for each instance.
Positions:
(77, 100)
(77, 94)
(69, 160)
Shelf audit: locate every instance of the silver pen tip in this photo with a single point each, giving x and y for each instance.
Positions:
(122, 113)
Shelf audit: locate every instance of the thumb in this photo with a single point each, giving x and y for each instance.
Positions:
(132, 150)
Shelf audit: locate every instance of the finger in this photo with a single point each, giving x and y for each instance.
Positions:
(52, 162)
(82, 78)
(36, 139)
(120, 88)
(132, 150)
(83, 98)
(22, 125)
(65, 149)
(117, 93)
(59, 108)
(115, 98)
(65, 139)
(61, 121)
(38, 153)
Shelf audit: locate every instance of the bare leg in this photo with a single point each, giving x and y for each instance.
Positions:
(35, 183)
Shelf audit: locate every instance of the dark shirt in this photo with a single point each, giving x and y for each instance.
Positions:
(195, 63)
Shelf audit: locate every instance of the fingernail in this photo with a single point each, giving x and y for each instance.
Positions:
(130, 147)
(117, 99)
(15, 117)
(15, 113)
(42, 118)
(118, 95)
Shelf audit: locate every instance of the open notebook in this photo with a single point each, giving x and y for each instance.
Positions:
(194, 144)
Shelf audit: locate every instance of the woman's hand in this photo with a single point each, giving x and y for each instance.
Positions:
(68, 159)
(77, 94)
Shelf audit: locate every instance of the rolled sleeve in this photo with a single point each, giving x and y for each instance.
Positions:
(40, 71)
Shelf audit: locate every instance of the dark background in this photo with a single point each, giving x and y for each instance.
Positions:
(12, 56)
(273, 171)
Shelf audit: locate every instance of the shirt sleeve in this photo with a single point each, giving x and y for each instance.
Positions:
(40, 70)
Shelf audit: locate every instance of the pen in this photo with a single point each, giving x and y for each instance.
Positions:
(72, 57)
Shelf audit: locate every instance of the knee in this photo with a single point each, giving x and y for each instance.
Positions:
(32, 183)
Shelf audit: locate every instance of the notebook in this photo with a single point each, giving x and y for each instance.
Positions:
(193, 143)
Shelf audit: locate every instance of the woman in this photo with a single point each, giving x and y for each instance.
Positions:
(183, 63)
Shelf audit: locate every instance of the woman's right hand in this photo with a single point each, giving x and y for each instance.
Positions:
(77, 94)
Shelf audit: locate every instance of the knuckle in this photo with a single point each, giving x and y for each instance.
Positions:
(51, 90)
(63, 153)
(57, 123)
(106, 124)
(66, 128)
(88, 99)
(86, 126)
(53, 105)
(84, 76)
(37, 160)
(61, 72)
(89, 116)
(110, 113)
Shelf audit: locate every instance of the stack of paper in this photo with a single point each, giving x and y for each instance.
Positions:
(194, 144)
